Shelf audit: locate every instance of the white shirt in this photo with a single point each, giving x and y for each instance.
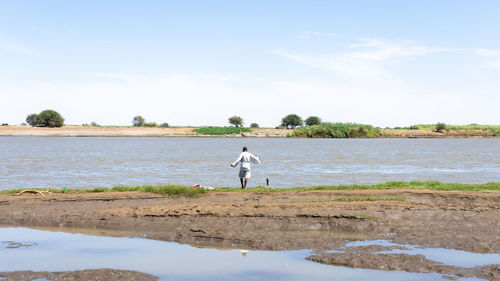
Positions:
(245, 159)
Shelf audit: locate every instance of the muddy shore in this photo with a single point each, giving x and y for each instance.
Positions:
(462, 220)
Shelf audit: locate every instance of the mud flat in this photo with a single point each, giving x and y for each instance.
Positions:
(320, 220)
(97, 274)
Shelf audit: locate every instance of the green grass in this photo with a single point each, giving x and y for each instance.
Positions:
(364, 216)
(337, 130)
(431, 185)
(454, 127)
(217, 131)
(368, 198)
(165, 190)
(188, 191)
(355, 199)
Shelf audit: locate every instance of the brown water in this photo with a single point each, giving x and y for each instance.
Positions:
(110, 161)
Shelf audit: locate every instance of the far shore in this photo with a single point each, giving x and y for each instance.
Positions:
(116, 131)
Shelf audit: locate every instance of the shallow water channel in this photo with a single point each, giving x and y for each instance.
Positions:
(29, 249)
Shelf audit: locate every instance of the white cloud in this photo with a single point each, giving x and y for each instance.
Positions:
(308, 34)
(380, 49)
(14, 48)
(492, 64)
(363, 59)
(487, 52)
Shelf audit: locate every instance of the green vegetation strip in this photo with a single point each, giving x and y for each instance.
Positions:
(431, 185)
(368, 198)
(452, 127)
(218, 131)
(165, 190)
(188, 191)
(337, 130)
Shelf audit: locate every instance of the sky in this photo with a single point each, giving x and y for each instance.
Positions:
(385, 63)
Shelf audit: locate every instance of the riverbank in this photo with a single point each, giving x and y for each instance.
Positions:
(85, 131)
(292, 219)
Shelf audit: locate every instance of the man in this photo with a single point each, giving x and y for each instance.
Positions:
(244, 161)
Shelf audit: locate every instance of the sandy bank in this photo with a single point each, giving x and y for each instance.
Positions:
(80, 131)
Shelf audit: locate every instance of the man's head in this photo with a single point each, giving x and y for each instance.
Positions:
(245, 149)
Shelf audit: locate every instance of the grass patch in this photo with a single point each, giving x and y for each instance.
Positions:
(188, 191)
(355, 199)
(364, 216)
(337, 130)
(217, 131)
(454, 127)
(165, 190)
(368, 198)
(431, 185)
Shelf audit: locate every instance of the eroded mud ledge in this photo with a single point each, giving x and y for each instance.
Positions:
(462, 220)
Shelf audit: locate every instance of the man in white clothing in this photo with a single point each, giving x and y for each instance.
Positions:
(244, 161)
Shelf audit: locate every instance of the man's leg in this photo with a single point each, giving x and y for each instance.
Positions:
(246, 181)
(241, 180)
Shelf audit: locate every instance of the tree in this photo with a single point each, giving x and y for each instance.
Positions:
(254, 125)
(49, 118)
(46, 118)
(313, 120)
(164, 125)
(30, 119)
(138, 121)
(236, 121)
(291, 121)
(440, 127)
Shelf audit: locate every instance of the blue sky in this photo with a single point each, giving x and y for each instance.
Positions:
(385, 63)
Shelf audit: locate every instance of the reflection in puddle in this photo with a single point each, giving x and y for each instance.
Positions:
(446, 256)
(13, 244)
(58, 251)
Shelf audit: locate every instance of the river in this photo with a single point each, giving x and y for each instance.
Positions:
(85, 162)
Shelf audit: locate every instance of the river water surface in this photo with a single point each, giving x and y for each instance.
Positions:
(86, 162)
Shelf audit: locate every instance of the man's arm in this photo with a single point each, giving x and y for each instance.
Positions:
(254, 159)
(237, 161)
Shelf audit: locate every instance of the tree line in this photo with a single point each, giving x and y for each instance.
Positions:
(51, 118)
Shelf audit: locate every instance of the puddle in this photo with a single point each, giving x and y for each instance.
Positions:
(446, 256)
(59, 251)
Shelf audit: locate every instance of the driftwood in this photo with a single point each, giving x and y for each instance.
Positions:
(34, 192)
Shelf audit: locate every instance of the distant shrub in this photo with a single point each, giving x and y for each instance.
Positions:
(164, 125)
(150, 124)
(46, 118)
(337, 130)
(312, 120)
(30, 119)
(221, 130)
(5, 124)
(93, 124)
(414, 127)
(138, 121)
(292, 121)
(254, 125)
(440, 127)
(236, 121)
